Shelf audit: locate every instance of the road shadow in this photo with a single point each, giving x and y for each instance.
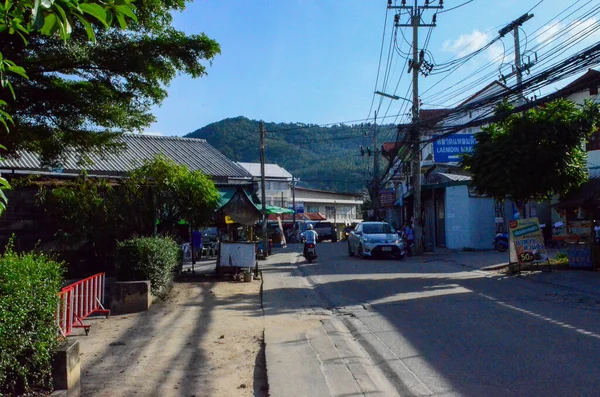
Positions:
(468, 332)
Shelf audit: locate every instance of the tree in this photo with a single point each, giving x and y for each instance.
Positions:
(48, 18)
(533, 155)
(177, 194)
(80, 94)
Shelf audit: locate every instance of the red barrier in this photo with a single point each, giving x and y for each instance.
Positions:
(78, 301)
(64, 311)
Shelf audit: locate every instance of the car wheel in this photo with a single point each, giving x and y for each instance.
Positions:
(350, 253)
(400, 257)
(361, 253)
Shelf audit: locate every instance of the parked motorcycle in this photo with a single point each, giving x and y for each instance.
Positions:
(501, 242)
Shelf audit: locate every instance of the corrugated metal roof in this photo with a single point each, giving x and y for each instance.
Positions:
(271, 170)
(196, 154)
(455, 177)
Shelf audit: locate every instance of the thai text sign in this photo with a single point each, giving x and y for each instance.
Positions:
(448, 150)
(387, 198)
(527, 241)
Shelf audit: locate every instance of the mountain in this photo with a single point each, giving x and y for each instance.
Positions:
(322, 157)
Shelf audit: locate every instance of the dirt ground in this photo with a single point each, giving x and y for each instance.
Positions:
(205, 339)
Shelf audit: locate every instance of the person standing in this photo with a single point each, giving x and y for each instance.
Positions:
(410, 237)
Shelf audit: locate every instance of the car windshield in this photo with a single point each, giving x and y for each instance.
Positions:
(377, 228)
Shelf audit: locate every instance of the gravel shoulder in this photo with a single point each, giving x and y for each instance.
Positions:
(205, 339)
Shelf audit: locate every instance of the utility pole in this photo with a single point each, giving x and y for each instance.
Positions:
(375, 170)
(263, 190)
(294, 203)
(519, 67)
(415, 64)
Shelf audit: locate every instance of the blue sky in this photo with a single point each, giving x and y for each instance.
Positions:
(316, 61)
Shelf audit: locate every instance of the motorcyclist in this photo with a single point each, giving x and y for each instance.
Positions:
(310, 237)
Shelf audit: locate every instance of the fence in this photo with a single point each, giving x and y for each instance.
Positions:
(78, 301)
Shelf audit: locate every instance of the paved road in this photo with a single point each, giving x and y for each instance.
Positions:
(435, 327)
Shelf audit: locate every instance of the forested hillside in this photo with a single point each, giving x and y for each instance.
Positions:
(322, 157)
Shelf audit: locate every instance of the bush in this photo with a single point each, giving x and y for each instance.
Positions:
(148, 258)
(29, 286)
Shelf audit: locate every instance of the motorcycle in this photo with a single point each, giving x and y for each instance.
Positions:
(501, 242)
(310, 251)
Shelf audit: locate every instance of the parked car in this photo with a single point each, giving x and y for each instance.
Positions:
(326, 231)
(370, 239)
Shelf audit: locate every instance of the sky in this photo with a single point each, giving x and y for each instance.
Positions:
(317, 61)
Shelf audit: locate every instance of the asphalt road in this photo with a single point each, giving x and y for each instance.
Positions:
(435, 327)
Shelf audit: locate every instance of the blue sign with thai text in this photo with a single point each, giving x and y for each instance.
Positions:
(449, 149)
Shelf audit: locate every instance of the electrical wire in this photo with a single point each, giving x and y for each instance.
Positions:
(454, 8)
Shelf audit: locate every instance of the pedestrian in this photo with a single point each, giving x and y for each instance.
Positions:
(410, 237)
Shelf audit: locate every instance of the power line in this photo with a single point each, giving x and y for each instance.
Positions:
(454, 8)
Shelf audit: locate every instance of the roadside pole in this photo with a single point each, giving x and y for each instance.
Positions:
(263, 192)
(415, 66)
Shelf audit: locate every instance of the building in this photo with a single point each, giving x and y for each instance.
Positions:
(453, 215)
(342, 209)
(196, 154)
(584, 88)
(278, 183)
(24, 218)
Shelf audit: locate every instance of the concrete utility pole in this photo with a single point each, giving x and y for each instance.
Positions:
(294, 203)
(519, 67)
(263, 190)
(415, 64)
(375, 170)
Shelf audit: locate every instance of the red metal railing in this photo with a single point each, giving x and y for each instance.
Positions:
(78, 301)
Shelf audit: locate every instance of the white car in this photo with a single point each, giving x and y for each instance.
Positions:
(371, 239)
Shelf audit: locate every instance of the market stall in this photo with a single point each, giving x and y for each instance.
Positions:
(576, 222)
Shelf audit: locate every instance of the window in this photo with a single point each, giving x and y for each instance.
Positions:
(312, 208)
(330, 211)
(377, 228)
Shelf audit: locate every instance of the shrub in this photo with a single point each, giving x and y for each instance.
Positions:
(148, 258)
(29, 286)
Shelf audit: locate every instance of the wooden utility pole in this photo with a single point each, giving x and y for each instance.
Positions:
(263, 191)
(415, 64)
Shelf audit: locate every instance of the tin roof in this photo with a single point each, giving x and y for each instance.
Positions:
(196, 154)
(271, 170)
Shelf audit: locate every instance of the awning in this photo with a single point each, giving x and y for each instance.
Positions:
(271, 209)
(588, 194)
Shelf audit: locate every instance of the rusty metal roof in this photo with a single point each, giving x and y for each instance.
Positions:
(196, 154)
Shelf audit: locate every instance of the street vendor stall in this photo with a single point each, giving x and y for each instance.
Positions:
(577, 218)
(240, 211)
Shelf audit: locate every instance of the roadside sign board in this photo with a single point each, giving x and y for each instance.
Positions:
(299, 208)
(449, 149)
(387, 197)
(526, 241)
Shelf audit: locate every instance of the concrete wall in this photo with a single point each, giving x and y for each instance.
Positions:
(481, 217)
(66, 369)
(130, 297)
(457, 230)
(469, 220)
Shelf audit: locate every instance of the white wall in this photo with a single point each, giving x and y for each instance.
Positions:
(469, 220)
(593, 163)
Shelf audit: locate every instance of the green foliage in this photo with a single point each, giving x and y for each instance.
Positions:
(322, 157)
(533, 155)
(148, 258)
(29, 284)
(177, 193)
(80, 95)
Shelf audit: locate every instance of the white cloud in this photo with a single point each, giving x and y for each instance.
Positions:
(155, 133)
(468, 43)
(561, 32)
